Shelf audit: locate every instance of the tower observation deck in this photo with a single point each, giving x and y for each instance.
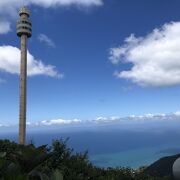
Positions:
(24, 26)
(24, 31)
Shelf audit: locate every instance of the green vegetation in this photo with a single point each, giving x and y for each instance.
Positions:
(58, 162)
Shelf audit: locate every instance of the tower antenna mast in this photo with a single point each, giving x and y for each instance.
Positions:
(24, 3)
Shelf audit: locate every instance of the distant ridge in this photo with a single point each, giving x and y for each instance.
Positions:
(162, 167)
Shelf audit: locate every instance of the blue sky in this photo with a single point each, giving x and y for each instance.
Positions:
(97, 67)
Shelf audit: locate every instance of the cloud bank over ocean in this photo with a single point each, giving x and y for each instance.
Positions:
(132, 122)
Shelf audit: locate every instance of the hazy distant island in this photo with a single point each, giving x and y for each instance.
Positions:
(58, 162)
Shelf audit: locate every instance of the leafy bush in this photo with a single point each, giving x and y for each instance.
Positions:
(18, 162)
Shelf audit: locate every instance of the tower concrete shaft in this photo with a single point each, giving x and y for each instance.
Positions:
(24, 31)
(23, 75)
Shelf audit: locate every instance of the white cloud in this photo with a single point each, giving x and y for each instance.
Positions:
(45, 39)
(54, 3)
(114, 119)
(177, 113)
(4, 27)
(139, 118)
(106, 119)
(10, 63)
(145, 119)
(132, 119)
(9, 8)
(59, 122)
(155, 58)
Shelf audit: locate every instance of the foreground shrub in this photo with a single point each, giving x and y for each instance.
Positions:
(18, 162)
